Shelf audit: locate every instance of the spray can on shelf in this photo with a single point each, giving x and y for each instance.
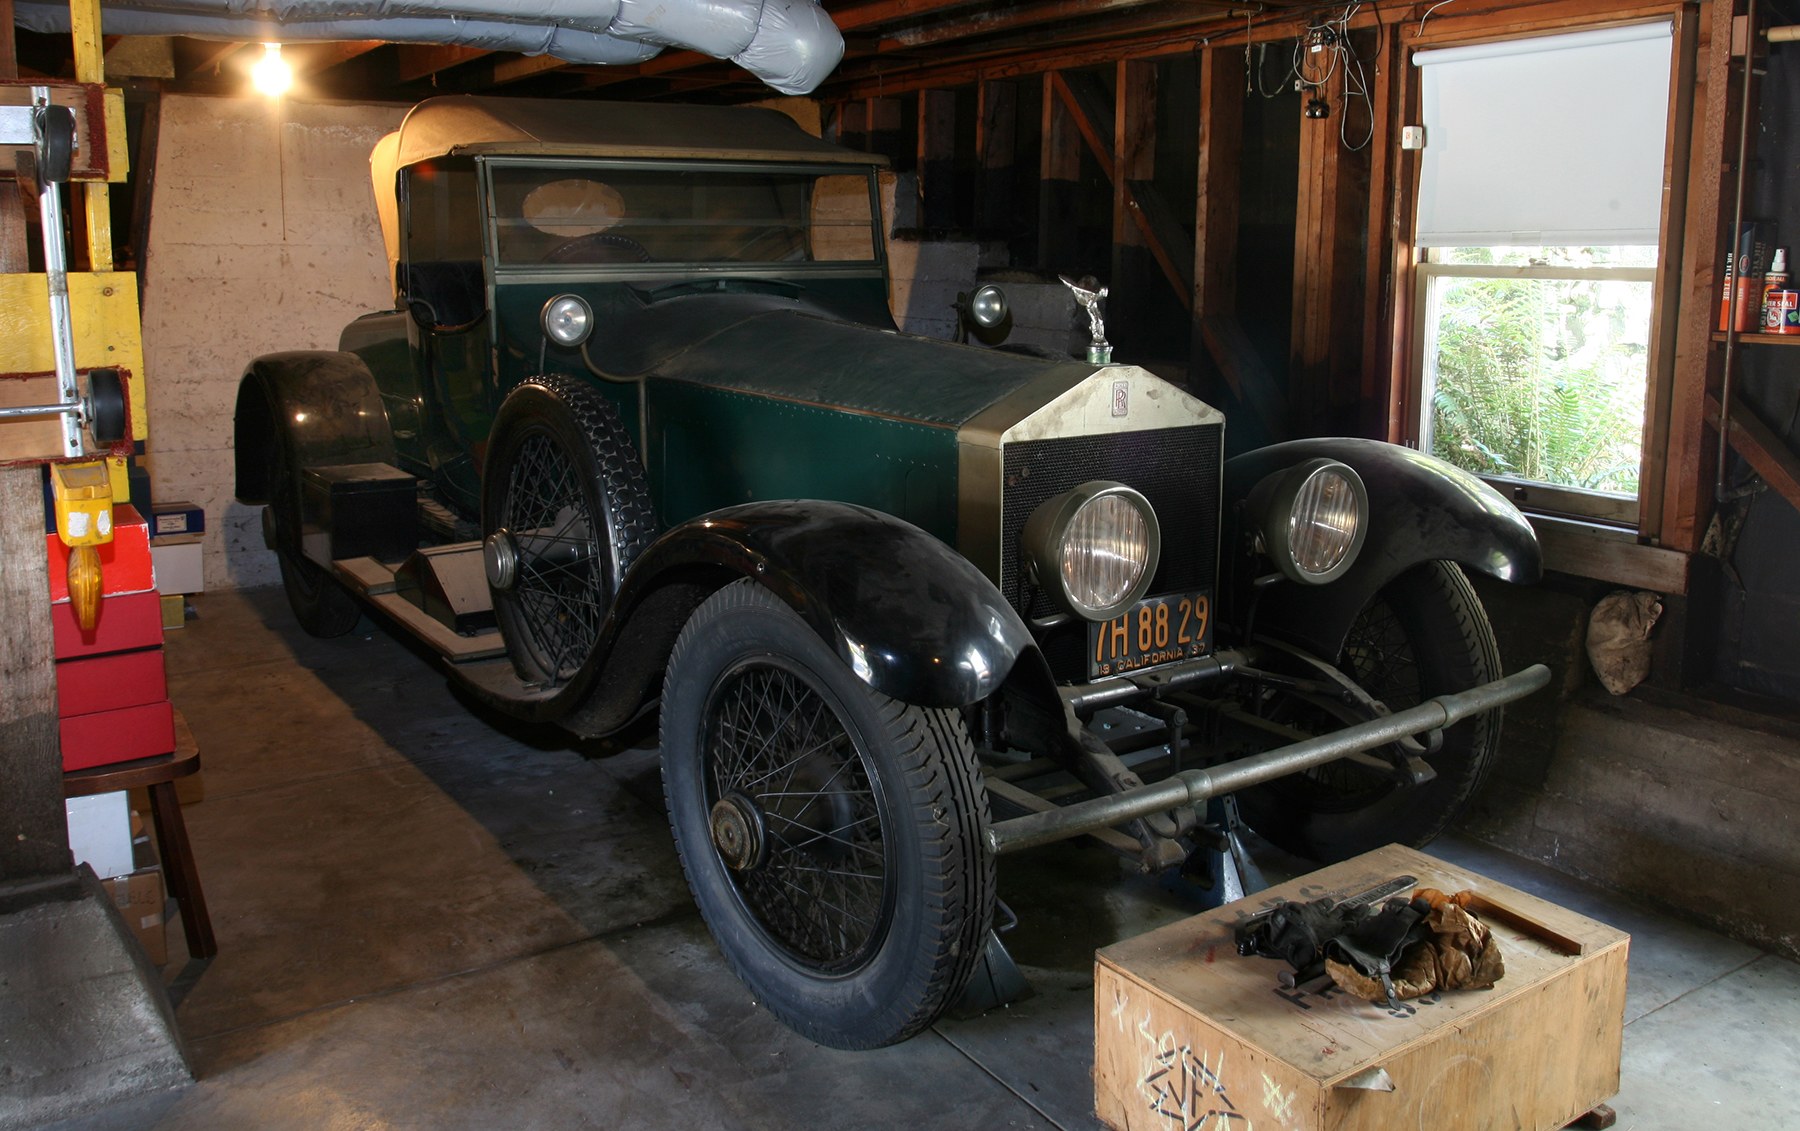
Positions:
(1776, 279)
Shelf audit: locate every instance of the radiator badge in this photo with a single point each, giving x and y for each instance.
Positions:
(1121, 398)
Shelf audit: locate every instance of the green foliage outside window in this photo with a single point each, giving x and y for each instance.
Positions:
(1542, 379)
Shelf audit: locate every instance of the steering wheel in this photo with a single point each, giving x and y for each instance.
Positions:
(599, 247)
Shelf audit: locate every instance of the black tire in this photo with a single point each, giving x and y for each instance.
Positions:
(1424, 634)
(323, 607)
(562, 475)
(106, 403)
(900, 915)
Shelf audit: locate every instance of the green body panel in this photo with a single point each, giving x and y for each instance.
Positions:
(712, 448)
(797, 355)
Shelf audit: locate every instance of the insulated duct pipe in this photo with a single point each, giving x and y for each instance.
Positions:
(791, 45)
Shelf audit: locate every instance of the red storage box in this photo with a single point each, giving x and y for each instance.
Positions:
(107, 683)
(125, 623)
(125, 563)
(124, 735)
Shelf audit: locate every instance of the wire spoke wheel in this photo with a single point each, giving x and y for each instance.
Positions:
(775, 749)
(560, 590)
(565, 505)
(831, 835)
(1423, 634)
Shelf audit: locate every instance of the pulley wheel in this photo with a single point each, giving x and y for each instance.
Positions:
(105, 408)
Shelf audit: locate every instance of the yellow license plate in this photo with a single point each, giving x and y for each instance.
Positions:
(1156, 630)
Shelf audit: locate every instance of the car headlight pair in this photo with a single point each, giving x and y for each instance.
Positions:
(1094, 549)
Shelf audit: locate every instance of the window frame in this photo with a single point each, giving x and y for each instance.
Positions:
(1667, 499)
(1528, 494)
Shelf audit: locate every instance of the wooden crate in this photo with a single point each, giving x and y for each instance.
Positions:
(1189, 1035)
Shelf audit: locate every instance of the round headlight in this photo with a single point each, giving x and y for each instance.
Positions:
(1313, 518)
(1094, 549)
(567, 320)
(987, 306)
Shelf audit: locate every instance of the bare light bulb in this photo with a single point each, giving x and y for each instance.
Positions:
(271, 75)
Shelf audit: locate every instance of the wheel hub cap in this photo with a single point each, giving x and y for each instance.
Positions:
(737, 832)
(500, 559)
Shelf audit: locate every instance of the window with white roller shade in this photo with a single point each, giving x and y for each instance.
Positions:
(1547, 141)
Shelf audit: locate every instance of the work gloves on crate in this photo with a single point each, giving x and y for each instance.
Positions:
(1390, 951)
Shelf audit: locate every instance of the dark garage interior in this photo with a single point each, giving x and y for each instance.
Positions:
(772, 563)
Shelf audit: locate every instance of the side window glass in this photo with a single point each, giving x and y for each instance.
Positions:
(441, 248)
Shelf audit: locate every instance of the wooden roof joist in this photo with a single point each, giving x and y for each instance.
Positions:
(1140, 36)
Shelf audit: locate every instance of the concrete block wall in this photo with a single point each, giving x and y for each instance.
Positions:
(1695, 813)
(263, 237)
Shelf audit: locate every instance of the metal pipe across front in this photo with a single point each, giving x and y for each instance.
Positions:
(1193, 786)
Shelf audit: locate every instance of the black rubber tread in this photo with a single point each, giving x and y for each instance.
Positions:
(323, 607)
(106, 396)
(631, 517)
(609, 466)
(928, 768)
(1454, 649)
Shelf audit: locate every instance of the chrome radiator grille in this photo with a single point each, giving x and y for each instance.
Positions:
(1177, 469)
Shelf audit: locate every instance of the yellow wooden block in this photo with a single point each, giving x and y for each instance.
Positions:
(103, 309)
(118, 156)
(118, 469)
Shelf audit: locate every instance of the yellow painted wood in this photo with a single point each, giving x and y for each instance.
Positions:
(99, 225)
(103, 308)
(118, 156)
(118, 470)
(90, 56)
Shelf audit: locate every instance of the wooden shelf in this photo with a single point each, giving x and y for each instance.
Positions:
(1760, 339)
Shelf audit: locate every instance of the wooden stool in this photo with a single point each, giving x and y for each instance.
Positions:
(158, 776)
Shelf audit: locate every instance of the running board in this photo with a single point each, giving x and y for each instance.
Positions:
(381, 586)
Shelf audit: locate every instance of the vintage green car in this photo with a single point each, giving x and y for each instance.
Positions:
(640, 433)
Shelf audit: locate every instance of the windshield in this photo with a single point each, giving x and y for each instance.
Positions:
(566, 214)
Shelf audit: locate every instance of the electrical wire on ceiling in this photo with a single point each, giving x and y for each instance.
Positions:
(1321, 54)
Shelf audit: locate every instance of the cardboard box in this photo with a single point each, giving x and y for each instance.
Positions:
(178, 567)
(1188, 1033)
(140, 899)
(106, 683)
(100, 833)
(125, 622)
(124, 735)
(125, 563)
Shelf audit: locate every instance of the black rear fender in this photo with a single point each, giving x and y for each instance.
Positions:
(324, 405)
(1420, 509)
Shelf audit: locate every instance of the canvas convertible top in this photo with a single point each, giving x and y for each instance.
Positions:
(467, 125)
(464, 125)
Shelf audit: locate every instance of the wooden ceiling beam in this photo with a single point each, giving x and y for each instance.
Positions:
(1140, 35)
(201, 59)
(315, 58)
(422, 60)
(882, 12)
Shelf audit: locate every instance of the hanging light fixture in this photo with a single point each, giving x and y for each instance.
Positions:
(271, 75)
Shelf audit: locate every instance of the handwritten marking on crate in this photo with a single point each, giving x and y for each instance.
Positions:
(1185, 1090)
(1276, 1102)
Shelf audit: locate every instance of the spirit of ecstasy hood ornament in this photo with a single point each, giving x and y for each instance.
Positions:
(1089, 292)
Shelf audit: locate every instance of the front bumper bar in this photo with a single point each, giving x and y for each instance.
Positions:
(1194, 786)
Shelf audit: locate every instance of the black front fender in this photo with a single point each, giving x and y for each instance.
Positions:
(1420, 509)
(324, 405)
(909, 615)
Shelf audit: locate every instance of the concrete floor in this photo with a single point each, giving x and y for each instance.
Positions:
(429, 918)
